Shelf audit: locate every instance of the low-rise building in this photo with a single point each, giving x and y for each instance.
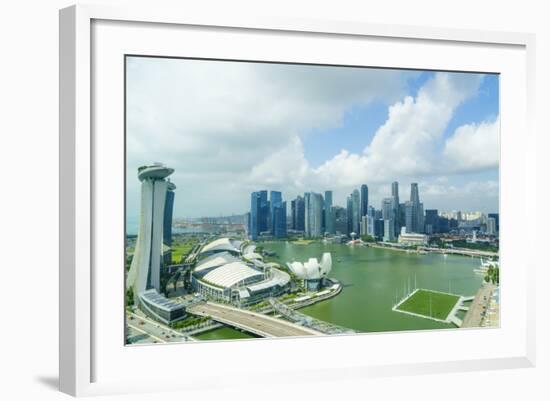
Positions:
(412, 238)
(160, 308)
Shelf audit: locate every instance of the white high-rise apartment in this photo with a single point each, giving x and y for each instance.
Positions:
(145, 268)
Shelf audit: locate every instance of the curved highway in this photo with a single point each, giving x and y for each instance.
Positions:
(256, 323)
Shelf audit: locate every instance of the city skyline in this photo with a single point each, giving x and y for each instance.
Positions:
(315, 216)
(347, 127)
(466, 213)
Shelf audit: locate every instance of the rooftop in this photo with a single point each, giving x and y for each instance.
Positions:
(215, 260)
(155, 171)
(222, 244)
(232, 273)
(160, 301)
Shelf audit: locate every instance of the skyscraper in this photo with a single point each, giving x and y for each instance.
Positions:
(313, 214)
(491, 226)
(396, 215)
(370, 226)
(410, 217)
(263, 216)
(401, 218)
(279, 220)
(378, 228)
(275, 202)
(389, 227)
(364, 199)
(168, 213)
(255, 212)
(340, 219)
(388, 214)
(414, 213)
(420, 218)
(415, 198)
(355, 212)
(145, 268)
(431, 221)
(395, 190)
(365, 225)
(497, 220)
(371, 212)
(349, 214)
(293, 214)
(329, 216)
(388, 210)
(307, 197)
(277, 215)
(298, 213)
(276, 198)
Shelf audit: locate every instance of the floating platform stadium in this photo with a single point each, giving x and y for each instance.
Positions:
(434, 305)
(231, 271)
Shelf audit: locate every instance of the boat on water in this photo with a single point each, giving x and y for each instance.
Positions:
(485, 265)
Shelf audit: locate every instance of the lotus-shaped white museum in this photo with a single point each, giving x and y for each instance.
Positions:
(312, 271)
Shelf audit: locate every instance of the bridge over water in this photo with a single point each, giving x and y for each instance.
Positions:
(460, 251)
(252, 322)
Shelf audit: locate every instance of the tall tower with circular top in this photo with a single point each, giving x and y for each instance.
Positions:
(145, 268)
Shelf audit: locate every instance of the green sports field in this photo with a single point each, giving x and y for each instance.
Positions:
(430, 304)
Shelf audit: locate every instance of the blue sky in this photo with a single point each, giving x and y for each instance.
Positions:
(359, 124)
(230, 128)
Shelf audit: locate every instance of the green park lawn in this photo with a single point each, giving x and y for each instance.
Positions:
(180, 249)
(428, 303)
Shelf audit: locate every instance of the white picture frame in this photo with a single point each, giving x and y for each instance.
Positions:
(84, 354)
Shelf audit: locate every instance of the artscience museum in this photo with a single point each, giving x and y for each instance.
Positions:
(312, 272)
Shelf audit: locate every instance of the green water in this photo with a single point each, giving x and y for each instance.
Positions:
(224, 333)
(373, 278)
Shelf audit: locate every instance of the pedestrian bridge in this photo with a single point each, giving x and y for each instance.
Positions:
(252, 322)
(307, 321)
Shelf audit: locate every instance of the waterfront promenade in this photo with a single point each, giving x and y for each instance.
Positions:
(445, 251)
(256, 323)
(479, 306)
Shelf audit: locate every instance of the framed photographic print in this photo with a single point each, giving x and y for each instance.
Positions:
(262, 189)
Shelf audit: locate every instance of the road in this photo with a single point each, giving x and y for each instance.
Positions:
(474, 316)
(144, 330)
(256, 323)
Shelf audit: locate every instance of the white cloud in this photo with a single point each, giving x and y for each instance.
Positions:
(473, 147)
(286, 168)
(237, 121)
(476, 195)
(229, 128)
(405, 144)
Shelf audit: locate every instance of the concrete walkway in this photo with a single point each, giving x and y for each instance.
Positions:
(474, 316)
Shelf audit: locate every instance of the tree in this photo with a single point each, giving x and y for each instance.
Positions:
(130, 296)
(492, 275)
(367, 238)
